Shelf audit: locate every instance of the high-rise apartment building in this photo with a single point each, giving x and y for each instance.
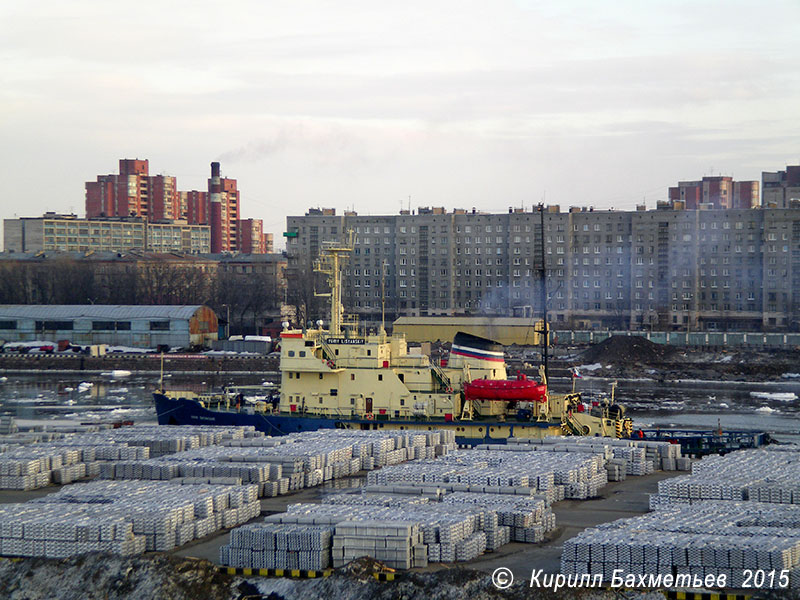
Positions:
(668, 269)
(781, 189)
(135, 193)
(223, 196)
(251, 237)
(714, 192)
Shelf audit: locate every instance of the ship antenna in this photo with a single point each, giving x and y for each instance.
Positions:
(543, 276)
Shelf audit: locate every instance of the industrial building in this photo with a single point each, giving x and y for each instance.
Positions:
(118, 325)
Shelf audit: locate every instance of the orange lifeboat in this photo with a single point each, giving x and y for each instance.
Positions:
(519, 390)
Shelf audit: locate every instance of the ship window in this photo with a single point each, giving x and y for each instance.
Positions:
(320, 375)
(320, 400)
(352, 400)
(380, 377)
(352, 376)
(334, 392)
(336, 351)
(297, 375)
(302, 352)
(402, 401)
(290, 376)
(369, 352)
(401, 377)
(291, 353)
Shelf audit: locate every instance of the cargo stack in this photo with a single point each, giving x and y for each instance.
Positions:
(397, 544)
(275, 546)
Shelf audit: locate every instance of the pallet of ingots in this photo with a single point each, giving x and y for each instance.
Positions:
(276, 546)
(368, 498)
(36, 466)
(162, 440)
(663, 455)
(166, 514)
(397, 544)
(762, 475)
(546, 473)
(301, 460)
(8, 425)
(529, 519)
(442, 526)
(58, 531)
(427, 491)
(719, 538)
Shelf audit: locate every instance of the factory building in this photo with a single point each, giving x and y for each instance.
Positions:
(117, 325)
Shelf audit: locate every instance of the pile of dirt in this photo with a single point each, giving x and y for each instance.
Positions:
(115, 577)
(620, 349)
(364, 568)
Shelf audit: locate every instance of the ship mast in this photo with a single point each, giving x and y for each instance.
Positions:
(543, 276)
(330, 262)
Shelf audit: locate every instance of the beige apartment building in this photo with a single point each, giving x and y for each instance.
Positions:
(68, 233)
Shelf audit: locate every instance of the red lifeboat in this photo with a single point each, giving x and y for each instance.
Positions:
(519, 390)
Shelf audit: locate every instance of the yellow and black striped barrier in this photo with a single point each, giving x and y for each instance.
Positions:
(295, 573)
(672, 595)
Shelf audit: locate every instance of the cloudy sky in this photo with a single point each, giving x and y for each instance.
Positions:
(363, 104)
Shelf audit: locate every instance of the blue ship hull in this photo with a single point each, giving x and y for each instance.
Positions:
(186, 411)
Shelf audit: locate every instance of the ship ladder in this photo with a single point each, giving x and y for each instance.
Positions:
(570, 426)
(441, 377)
(327, 353)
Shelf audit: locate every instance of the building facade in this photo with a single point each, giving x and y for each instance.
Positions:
(119, 325)
(67, 233)
(662, 269)
(781, 189)
(714, 193)
(156, 198)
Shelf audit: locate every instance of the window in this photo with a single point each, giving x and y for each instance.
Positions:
(8, 324)
(53, 325)
(159, 325)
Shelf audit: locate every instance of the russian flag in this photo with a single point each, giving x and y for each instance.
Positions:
(576, 374)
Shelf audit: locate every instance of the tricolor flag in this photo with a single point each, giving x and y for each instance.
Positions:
(576, 374)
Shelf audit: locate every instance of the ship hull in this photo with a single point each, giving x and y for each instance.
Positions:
(186, 411)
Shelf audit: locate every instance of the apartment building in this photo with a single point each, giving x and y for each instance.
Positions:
(781, 189)
(662, 269)
(68, 233)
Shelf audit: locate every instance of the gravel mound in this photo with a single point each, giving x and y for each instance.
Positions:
(626, 349)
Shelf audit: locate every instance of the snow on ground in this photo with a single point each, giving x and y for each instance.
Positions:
(780, 396)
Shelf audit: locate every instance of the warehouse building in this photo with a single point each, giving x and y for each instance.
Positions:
(118, 325)
(503, 330)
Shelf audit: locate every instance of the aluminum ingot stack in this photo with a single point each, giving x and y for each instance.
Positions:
(276, 546)
(398, 544)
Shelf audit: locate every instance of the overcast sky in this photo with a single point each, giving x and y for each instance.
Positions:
(361, 104)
